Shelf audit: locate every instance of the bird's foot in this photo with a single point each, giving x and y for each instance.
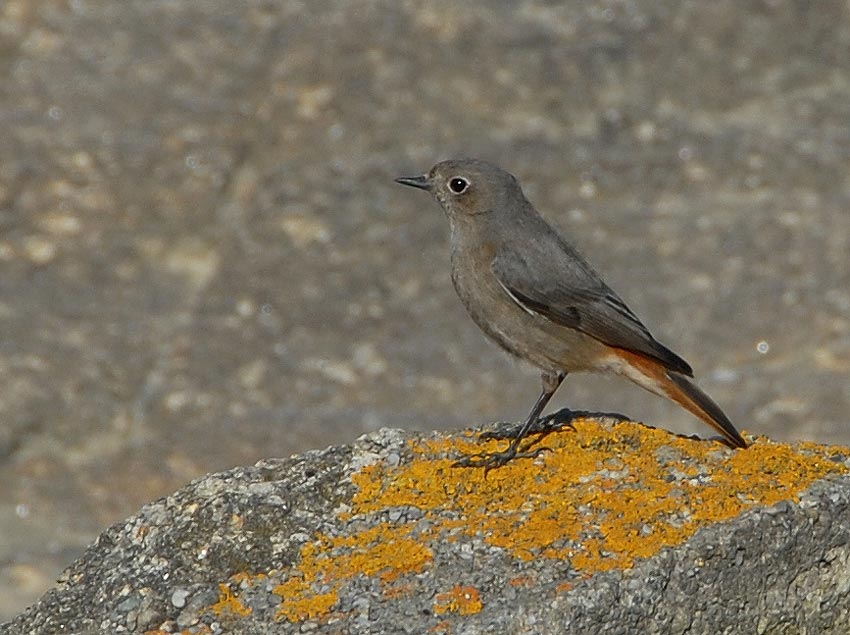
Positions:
(517, 449)
(544, 425)
(492, 460)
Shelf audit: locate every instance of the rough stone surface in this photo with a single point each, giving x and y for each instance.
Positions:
(200, 239)
(307, 545)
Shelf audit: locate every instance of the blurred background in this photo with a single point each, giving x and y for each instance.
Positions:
(205, 260)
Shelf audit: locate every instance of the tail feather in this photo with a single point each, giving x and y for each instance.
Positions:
(692, 398)
(651, 375)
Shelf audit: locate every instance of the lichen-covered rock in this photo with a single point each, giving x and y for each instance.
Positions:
(618, 528)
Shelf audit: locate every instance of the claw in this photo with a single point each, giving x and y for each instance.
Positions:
(494, 460)
(556, 421)
(518, 433)
(501, 430)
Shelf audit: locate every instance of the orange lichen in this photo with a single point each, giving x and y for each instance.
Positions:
(601, 498)
(564, 587)
(384, 550)
(522, 581)
(248, 578)
(229, 604)
(300, 602)
(396, 591)
(463, 600)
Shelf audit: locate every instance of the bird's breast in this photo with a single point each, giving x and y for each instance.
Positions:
(521, 332)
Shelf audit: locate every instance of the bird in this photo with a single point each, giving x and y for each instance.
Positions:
(531, 292)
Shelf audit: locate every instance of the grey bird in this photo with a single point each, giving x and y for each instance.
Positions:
(533, 294)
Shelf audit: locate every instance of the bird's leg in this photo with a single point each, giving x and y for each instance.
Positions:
(540, 425)
(551, 381)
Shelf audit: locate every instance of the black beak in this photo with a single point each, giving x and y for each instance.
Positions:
(415, 181)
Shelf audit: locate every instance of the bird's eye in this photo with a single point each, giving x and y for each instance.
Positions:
(458, 184)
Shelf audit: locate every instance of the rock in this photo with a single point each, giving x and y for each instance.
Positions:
(684, 535)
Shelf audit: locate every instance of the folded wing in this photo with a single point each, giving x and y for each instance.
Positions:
(577, 299)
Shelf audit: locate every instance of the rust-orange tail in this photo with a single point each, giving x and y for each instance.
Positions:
(688, 395)
(654, 377)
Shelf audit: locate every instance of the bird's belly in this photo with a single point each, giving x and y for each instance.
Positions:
(525, 334)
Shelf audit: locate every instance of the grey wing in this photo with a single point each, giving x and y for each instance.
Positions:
(559, 285)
